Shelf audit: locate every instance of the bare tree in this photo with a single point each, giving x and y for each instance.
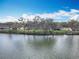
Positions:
(23, 22)
(74, 25)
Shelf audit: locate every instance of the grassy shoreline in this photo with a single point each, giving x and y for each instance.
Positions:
(44, 32)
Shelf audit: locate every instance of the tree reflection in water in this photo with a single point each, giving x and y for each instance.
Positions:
(42, 41)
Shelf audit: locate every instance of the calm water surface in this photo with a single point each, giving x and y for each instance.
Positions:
(39, 47)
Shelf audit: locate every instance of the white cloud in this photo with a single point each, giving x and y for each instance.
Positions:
(74, 11)
(28, 17)
(76, 17)
(8, 19)
(60, 15)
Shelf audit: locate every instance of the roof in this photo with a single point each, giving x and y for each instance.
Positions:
(12, 25)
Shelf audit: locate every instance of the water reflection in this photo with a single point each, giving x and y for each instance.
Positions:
(39, 47)
(42, 41)
(63, 47)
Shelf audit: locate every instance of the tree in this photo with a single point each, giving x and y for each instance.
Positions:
(64, 24)
(22, 21)
(74, 24)
(10, 25)
(49, 22)
(36, 22)
(37, 19)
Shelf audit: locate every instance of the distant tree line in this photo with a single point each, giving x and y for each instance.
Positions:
(39, 23)
(49, 24)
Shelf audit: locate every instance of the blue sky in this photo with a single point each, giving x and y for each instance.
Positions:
(18, 7)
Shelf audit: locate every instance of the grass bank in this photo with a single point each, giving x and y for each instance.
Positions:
(41, 32)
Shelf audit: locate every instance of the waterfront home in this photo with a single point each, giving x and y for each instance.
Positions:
(9, 26)
(3, 26)
(66, 28)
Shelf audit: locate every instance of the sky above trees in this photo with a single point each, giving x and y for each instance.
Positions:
(60, 10)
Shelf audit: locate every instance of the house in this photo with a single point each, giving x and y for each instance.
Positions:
(3, 26)
(66, 28)
(10, 26)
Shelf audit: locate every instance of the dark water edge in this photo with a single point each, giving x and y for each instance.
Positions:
(40, 33)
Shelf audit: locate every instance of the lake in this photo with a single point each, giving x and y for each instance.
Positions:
(14, 46)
